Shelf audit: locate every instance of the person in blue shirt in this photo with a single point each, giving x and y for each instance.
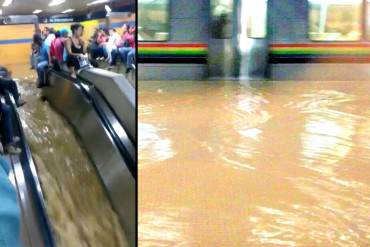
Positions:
(9, 209)
(43, 60)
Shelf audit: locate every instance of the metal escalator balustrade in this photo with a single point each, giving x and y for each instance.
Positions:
(35, 224)
(116, 130)
(119, 94)
(96, 123)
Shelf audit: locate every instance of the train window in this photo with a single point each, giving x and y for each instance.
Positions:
(221, 14)
(153, 20)
(256, 11)
(335, 20)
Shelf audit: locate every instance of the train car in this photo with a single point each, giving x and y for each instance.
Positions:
(173, 37)
(274, 39)
(319, 40)
(69, 164)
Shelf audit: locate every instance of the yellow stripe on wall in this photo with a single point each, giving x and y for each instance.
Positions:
(16, 31)
(15, 54)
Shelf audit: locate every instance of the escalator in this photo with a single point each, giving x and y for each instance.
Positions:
(100, 105)
(105, 123)
(106, 130)
(35, 226)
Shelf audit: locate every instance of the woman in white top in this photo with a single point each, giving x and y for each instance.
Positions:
(111, 45)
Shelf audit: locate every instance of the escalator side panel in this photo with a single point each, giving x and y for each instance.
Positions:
(69, 100)
(118, 92)
(31, 229)
(35, 223)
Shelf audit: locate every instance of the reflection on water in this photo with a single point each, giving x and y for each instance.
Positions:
(284, 164)
(157, 148)
(247, 116)
(164, 227)
(77, 206)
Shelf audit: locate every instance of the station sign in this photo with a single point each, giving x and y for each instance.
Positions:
(58, 20)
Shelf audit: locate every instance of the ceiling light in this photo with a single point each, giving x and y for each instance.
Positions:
(108, 9)
(56, 2)
(37, 11)
(7, 3)
(335, 1)
(67, 11)
(97, 2)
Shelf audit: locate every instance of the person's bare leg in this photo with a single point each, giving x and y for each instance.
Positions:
(72, 72)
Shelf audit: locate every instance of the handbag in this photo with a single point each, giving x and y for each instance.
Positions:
(83, 62)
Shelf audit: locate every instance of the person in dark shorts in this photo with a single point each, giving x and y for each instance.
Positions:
(6, 130)
(76, 48)
(7, 83)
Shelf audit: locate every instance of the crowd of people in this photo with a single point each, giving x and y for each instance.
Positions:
(52, 48)
(57, 48)
(107, 44)
(6, 127)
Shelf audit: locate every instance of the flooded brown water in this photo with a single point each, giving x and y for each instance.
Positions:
(77, 206)
(274, 164)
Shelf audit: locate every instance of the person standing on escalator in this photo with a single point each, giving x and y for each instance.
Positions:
(76, 48)
(57, 49)
(49, 36)
(42, 62)
(6, 130)
(7, 83)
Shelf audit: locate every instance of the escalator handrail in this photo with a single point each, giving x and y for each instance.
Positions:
(28, 163)
(120, 143)
(106, 101)
(129, 160)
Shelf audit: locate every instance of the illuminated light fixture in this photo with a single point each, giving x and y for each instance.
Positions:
(7, 3)
(56, 2)
(67, 11)
(37, 11)
(335, 1)
(108, 9)
(97, 2)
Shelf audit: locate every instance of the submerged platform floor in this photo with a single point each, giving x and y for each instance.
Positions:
(267, 164)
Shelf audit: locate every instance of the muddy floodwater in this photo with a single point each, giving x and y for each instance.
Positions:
(260, 164)
(79, 211)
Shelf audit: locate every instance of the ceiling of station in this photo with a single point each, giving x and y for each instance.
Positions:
(26, 7)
